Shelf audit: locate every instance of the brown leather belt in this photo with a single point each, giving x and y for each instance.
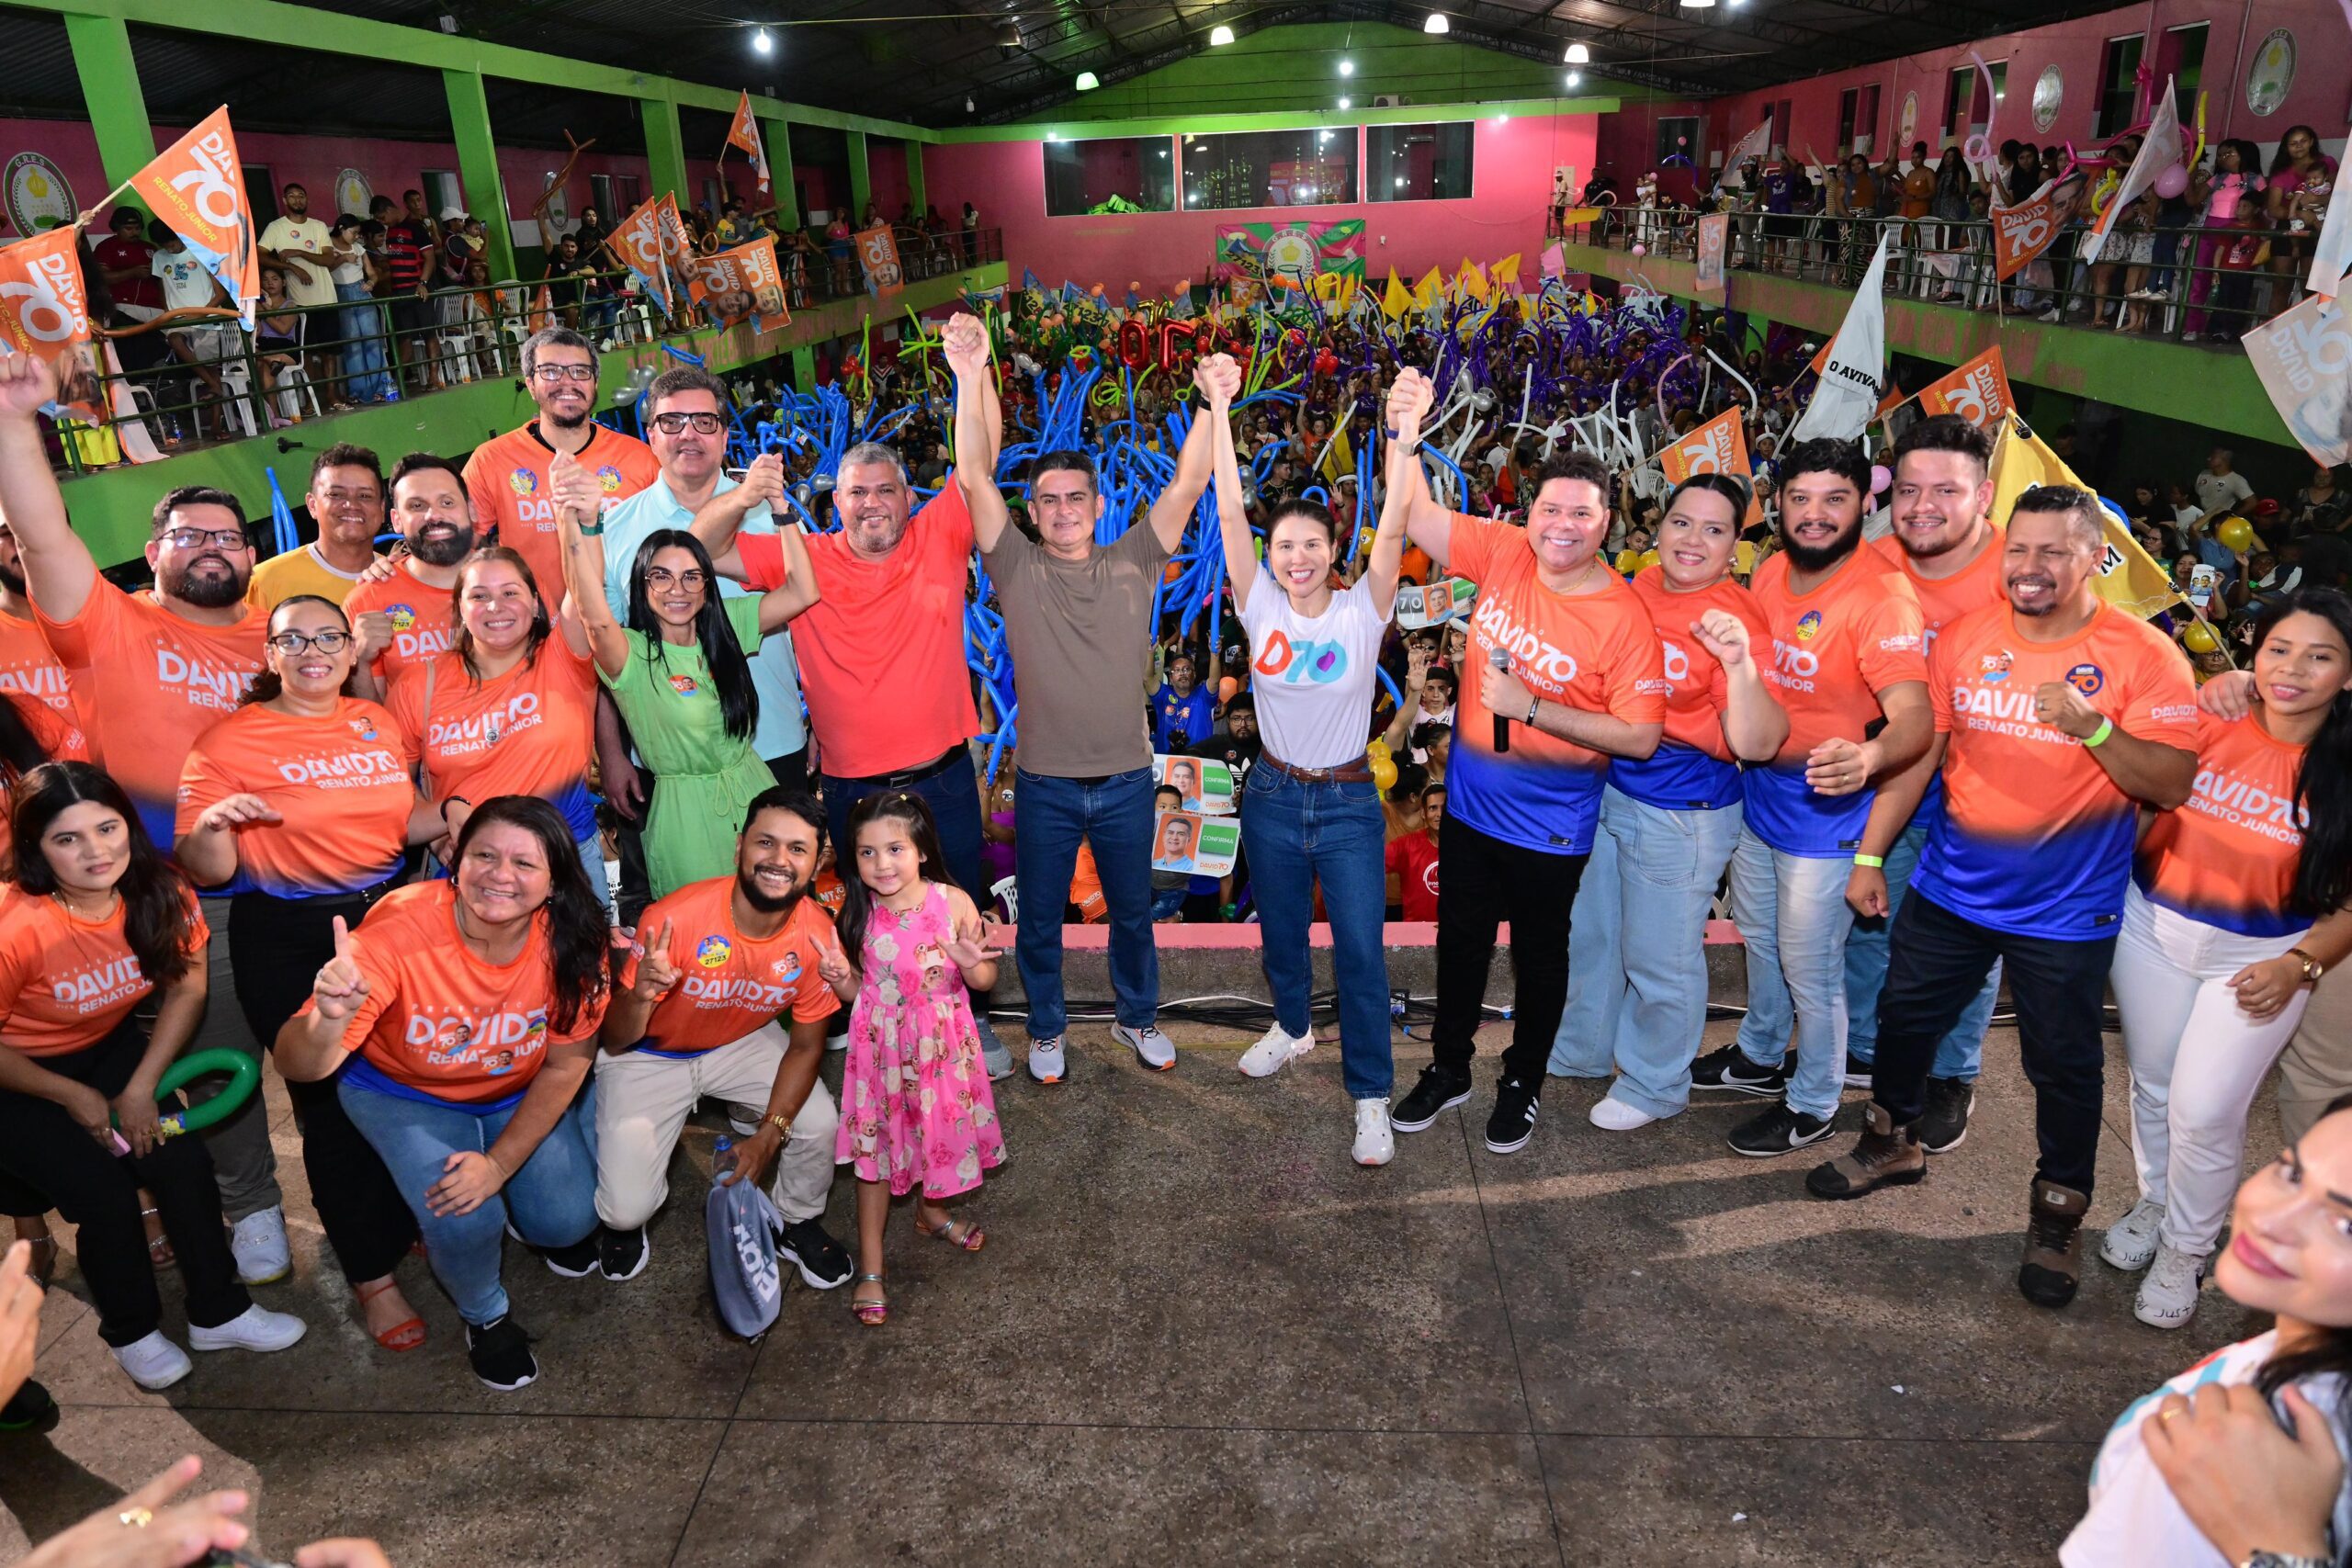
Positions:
(1357, 771)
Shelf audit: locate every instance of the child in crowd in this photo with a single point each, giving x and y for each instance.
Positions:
(916, 1114)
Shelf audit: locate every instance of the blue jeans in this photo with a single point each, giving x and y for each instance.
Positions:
(1960, 1053)
(1049, 817)
(1641, 1006)
(1792, 916)
(1297, 833)
(363, 349)
(552, 1201)
(953, 796)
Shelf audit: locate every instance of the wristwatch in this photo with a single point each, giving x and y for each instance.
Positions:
(2282, 1560)
(2312, 968)
(782, 1125)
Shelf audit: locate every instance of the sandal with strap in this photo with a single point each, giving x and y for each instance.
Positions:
(159, 1246)
(406, 1335)
(873, 1314)
(972, 1240)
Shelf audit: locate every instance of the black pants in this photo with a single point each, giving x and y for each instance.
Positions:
(45, 1150)
(1487, 880)
(1937, 963)
(279, 945)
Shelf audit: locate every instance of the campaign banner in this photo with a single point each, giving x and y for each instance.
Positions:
(877, 253)
(198, 187)
(1853, 376)
(1718, 446)
(743, 285)
(678, 250)
(2304, 357)
(1448, 599)
(45, 313)
(638, 243)
(2022, 233)
(1205, 786)
(744, 134)
(1189, 842)
(1714, 238)
(1256, 259)
(1978, 392)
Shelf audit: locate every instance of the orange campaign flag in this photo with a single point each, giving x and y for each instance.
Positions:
(1894, 400)
(2024, 231)
(745, 134)
(878, 253)
(678, 249)
(45, 313)
(744, 283)
(636, 244)
(1718, 446)
(1978, 392)
(198, 186)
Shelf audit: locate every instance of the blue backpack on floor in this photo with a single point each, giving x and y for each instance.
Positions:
(745, 1277)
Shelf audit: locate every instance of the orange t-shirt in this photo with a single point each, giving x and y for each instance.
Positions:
(146, 682)
(423, 618)
(339, 783)
(1834, 648)
(67, 983)
(729, 985)
(1692, 769)
(1943, 600)
(30, 667)
(1595, 651)
(529, 731)
(2034, 837)
(2228, 856)
(438, 1020)
(507, 479)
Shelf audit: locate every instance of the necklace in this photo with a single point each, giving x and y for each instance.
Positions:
(113, 897)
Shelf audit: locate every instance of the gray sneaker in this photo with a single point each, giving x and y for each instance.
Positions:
(994, 1052)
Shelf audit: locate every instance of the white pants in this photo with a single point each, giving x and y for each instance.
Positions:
(642, 1101)
(2196, 1061)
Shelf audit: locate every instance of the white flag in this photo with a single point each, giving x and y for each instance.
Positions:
(1853, 377)
(2160, 149)
(1752, 145)
(2332, 257)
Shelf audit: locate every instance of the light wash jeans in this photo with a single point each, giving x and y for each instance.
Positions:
(363, 350)
(552, 1201)
(1792, 916)
(1050, 817)
(1641, 1006)
(1960, 1053)
(1297, 833)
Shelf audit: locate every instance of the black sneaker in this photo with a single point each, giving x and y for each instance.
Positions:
(30, 1410)
(1514, 1121)
(501, 1353)
(621, 1254)
(1779, 1131)
(822, 1261)
(1730, 1068)
(1438, 1092)
(579, 1261)
(1944, 1124)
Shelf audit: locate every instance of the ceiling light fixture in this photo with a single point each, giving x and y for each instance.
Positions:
(1346, 102)
(969, 106)
(1347, 67)
(1088, 81)
(1220, 35)
(1436, 26)
(1698, 5)
(1575, 78)
(760, 42)
(1008, 35)
(1578, 54)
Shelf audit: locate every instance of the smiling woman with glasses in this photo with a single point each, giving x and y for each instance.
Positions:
(300, 805)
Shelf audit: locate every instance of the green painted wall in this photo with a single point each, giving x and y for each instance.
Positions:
(110, 509)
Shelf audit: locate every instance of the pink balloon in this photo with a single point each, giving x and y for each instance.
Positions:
(1641, 250)
(1682, 141)
(1880, 479)
(2172, 182)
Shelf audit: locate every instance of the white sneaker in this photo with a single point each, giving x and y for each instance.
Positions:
(2169, 1295)
(994, 1054)
(255, 1329)
(2131, 1241)
(1046, 1064)
(155, 1363)
(1376, 1144)
(1273, 1051)
(1153, 1049)
(258, 1243)
(1614, 1115)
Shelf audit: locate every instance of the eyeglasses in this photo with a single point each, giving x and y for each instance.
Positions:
(219, 539)
(674, 423)
(564, 372)
(291, 643)
(662, 576)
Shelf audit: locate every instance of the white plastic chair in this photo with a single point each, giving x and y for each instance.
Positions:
(1009, 895)
(293, 390)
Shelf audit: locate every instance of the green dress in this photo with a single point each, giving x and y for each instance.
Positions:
(704, 777)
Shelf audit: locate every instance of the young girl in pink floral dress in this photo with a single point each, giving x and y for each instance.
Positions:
(916, 1111)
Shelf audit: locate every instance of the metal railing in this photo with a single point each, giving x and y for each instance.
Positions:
(2164, 282)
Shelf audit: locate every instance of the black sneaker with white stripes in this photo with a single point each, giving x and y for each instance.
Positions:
(1514, 1121)
(1438, 1092)
(1779, 1131)
(1730, 1068)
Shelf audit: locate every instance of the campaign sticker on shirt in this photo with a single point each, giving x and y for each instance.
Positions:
(1808, 626)
(683, 686)
(608, 480)
(787, 968)
(712, 952)
(524, 482)
(403, 616)
(2086, 679)
(364, 727)
(1996, 667)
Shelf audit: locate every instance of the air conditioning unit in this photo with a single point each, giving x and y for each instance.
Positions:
(1388, 100)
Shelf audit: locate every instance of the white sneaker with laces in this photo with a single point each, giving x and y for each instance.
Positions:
(1614, 1115)
(1275, 1049)
(2169, 1295)
(257, 1242)
(1375, 1143)
(2131, 1241)
(255, 1329)
(1046, 1061)
(994, 1054)
(1153, 1049)
(155, 1363)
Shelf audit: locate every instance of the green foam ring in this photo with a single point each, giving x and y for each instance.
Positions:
(245, 1077)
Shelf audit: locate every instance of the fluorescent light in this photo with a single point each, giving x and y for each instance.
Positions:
(1088, 81)
(1347, 67)
(1436, 26)
(1575, 78)
(760, 42)
(1578, 54)
(1220, 35)
(1698, 5)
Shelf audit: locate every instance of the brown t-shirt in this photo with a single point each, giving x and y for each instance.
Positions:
(1080, 633)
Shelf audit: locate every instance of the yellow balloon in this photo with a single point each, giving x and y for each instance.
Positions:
(2235, 532)
(2199, 637)
(1384, 774)
(1376, 748)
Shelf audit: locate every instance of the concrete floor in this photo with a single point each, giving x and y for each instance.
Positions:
(1200, 1335)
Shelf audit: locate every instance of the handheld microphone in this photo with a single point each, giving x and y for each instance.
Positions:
(1501, 661)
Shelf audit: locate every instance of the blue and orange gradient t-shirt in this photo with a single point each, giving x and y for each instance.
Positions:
(2035, 840)
(729, 985)
(423, 626)
(1833, 649)
(339, 782)
(2228, 856)
(506, 481)
(529, 731)
(1594, 652)
(67, 983)
(1692, 769)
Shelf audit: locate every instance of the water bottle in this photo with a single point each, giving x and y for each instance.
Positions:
(722, 1159)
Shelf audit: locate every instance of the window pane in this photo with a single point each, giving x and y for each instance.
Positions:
(1419, 163)
(1119, 173)
(1271, 168)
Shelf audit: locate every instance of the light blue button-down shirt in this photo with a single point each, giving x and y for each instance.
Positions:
(773, 673)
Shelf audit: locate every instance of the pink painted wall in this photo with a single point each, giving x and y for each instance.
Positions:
(1511, 164)
(886, 176)
(820, 189)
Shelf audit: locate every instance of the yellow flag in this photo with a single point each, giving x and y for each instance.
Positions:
(2129, 578)
(1341, 458)
(1473, 279)
(1397, 301)
(1506, 271)
(1426, 291)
